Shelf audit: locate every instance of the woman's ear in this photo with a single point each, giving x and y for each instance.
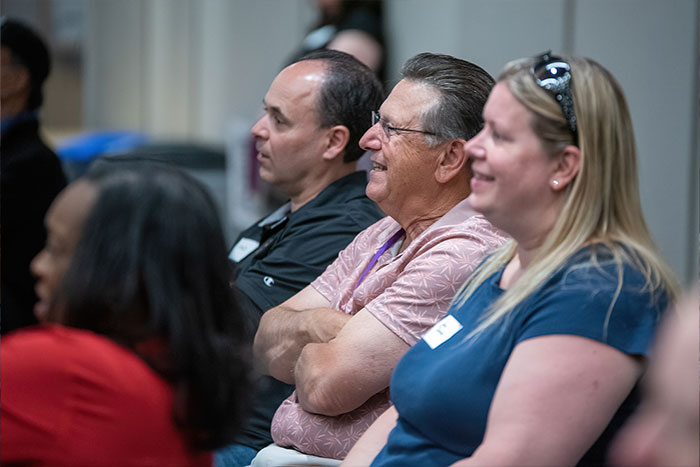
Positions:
(452, 161)
(338, 137)
(567, 167)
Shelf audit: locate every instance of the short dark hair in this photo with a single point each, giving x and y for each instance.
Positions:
(463, 87)
(29, 51)
(152, 263)
(348, 95)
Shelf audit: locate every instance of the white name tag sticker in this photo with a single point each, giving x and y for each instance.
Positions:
(243, 248)
(441, 331)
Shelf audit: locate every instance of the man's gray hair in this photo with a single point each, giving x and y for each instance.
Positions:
(463, 88)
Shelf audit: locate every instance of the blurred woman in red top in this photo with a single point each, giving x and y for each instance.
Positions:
(141, 360)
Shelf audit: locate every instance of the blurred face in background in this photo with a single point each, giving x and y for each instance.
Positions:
(288, 137)
(665, 431)
(14, 85)
(64, 222)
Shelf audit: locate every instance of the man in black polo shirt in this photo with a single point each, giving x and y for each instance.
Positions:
(315, 113)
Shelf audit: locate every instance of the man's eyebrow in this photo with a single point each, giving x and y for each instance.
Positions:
(272, 109)
(386, 118)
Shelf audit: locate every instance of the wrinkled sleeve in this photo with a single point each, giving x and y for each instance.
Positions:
(299, 257)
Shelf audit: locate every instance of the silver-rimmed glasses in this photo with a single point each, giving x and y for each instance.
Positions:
(377, 118)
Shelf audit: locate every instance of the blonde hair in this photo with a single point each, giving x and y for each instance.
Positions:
(602, 203)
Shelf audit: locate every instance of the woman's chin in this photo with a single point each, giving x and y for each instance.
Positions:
(41, 311)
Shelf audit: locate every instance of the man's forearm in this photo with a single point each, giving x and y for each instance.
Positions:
(323, 386)
(284, 332)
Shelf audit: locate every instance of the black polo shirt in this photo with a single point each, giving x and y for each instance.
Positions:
(280, 255)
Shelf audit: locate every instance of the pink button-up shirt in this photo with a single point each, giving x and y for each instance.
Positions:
(407, 292)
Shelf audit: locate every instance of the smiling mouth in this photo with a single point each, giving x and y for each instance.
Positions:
(378, 167)
(480, 176)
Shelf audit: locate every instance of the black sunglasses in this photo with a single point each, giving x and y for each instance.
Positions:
(553, 74)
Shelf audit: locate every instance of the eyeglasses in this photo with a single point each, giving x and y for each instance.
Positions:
(376, 118)
(553, 74)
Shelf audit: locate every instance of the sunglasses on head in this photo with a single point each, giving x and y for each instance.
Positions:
(553, 74)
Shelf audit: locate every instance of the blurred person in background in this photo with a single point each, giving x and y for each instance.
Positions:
(351, 26)
(30, 172)
(665, 431)
(142, 359)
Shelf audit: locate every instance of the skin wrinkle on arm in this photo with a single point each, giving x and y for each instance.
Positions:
(555, 397)
(287, 328)
(339, 376)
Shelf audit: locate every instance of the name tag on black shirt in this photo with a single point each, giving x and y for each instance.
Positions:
(243, 248)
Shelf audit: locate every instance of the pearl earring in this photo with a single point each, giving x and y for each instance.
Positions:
(555, 183)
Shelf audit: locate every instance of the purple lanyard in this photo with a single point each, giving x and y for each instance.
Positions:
(388, 244)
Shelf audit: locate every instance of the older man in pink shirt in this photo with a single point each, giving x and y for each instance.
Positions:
(339, 339)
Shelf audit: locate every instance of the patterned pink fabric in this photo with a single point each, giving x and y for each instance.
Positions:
(408, 293)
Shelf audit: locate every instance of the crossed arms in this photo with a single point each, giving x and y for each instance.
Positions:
(336, 361)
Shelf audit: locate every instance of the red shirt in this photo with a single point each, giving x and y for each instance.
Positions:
(72, 397)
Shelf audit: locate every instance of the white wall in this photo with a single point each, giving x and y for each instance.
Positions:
(651, 46)
(654, 56)
(182, 68)
(186, 68)
(486, 32)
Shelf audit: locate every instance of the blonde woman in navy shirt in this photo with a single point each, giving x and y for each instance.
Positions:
(538, 361)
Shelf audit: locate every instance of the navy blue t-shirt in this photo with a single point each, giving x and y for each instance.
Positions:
(443, 394)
